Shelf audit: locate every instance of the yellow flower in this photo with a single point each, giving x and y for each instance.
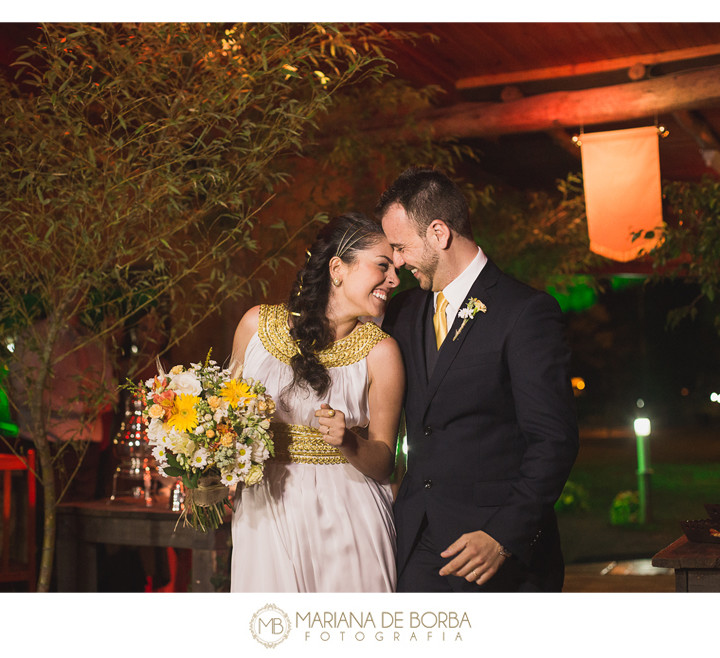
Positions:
(184, 417)
(235, 390)
(477, 305)
(214, 402)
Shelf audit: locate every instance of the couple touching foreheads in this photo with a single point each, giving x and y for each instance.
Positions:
(478, 364)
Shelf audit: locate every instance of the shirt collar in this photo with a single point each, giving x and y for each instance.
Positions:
(457, 290)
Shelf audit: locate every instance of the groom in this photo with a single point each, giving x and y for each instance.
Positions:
(491, 426)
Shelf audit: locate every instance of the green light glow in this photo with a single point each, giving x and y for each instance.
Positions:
(7, 427)
(576, 296)
(624, 281)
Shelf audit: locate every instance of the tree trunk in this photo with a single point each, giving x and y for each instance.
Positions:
(42, 445)
(37, 409)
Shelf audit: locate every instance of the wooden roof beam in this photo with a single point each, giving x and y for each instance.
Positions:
(566, 109)
(588, 68)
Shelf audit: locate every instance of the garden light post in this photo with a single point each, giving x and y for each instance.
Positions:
(642, 434)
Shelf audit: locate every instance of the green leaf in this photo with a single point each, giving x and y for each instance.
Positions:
(172, 460)
(193, 480)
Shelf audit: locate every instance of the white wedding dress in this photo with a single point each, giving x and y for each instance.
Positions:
(312, 527)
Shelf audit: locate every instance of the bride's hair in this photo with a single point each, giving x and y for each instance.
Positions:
(344, 236)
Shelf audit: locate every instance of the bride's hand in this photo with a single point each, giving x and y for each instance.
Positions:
(332, 424)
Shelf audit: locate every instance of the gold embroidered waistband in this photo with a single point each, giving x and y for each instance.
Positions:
(303, 445)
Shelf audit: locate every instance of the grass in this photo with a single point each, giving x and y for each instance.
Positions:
(681, 482)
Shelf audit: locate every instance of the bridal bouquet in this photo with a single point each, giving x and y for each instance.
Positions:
(210, 429)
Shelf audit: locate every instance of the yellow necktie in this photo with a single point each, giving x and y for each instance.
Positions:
(440, 320)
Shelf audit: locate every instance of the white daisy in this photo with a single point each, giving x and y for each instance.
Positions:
(229, 477)
(160, 454)
(243, 454)
(199, 458)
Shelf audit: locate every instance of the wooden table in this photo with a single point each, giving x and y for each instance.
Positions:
(81, 527)
(696, 564)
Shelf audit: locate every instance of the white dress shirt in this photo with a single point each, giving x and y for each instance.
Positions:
(457, 290)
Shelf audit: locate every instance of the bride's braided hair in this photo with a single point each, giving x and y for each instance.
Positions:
(344, 236)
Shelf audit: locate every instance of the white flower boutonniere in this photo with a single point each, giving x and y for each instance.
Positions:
(469, 312)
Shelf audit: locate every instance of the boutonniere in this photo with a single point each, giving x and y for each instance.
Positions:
(469, 312)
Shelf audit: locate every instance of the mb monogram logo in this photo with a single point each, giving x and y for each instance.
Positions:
(270, 625)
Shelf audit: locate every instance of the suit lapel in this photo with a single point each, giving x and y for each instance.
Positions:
(417, 334)
(482, 290)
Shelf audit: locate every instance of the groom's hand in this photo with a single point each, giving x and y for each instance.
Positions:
(477, 557)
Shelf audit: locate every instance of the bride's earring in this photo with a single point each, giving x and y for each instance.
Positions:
(336, 282)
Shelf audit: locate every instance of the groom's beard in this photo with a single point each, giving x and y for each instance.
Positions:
(427, 269)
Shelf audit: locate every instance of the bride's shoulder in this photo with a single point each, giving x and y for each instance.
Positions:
(385, 346)
(250, 319)
(247, 326)
(265, 319)
(385, 364)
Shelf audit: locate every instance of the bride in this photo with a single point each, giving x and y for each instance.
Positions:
(321, 518)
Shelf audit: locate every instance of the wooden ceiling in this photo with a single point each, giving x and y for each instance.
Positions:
(520, 91)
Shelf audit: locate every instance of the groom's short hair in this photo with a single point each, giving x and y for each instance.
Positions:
(426, 195)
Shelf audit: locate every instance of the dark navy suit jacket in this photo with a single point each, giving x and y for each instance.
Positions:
(492, 433)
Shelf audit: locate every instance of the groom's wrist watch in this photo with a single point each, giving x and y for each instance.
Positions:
(504, 551)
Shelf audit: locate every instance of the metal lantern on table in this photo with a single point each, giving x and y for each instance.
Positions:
(136, 470)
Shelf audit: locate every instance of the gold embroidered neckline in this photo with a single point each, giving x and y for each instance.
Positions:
(274, 334)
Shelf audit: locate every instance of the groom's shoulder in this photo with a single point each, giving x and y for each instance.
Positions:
(519, 296)
(403, 296)
(401, 304)
(406, 299)
(513, 286)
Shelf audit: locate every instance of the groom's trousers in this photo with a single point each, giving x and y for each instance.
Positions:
(420, 573)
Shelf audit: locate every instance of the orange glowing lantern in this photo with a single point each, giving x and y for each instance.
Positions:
(621, 173)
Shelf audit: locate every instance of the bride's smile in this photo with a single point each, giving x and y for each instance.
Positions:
(361, 288)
